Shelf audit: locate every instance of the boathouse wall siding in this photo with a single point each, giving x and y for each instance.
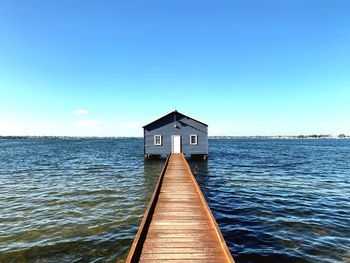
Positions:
(185, 128)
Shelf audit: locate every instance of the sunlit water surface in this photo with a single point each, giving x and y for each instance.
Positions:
(83, 200)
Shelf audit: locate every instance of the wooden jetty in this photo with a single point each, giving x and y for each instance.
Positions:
(178, 225)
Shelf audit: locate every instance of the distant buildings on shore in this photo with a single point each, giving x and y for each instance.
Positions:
(62, 137)
(313, 136)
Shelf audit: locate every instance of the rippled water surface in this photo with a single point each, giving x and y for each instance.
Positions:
(83, 200)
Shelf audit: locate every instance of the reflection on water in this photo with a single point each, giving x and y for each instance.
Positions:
(151, 170)
(200, 171)
(83, 200)
(71, 201)
(281, 200)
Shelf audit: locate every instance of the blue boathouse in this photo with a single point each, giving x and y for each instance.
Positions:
(176, 133)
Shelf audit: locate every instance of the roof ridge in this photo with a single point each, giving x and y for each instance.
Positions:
(174, 111)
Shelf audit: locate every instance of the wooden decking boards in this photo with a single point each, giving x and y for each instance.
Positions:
(178, 225)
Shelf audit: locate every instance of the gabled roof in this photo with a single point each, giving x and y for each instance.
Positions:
(171, 113)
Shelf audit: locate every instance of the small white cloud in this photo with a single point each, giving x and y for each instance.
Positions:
(131, 125)
(154, 69)
(345, 127)
(88, 123)
(324, 125)
(80, 112)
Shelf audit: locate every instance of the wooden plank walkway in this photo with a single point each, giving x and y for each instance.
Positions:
(178, 225)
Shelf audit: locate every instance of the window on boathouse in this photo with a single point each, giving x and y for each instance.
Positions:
(157, 139)
(193, 139)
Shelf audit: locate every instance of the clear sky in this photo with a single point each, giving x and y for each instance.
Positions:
(105, 68)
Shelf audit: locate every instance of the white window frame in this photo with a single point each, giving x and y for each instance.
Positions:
(160, 140)
(196, 136)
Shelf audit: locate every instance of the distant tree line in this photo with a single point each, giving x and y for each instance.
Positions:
(319, 136)
(60, 137)
(313, 136)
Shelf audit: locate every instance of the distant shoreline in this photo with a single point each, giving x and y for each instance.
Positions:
(314, 136)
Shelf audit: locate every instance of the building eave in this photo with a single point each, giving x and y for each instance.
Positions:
(174, 112)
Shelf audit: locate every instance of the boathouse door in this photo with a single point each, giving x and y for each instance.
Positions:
(176, 144)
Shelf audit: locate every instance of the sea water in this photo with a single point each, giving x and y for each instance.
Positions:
(82, 200)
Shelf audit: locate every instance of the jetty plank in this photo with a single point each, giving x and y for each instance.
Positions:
(178, 225)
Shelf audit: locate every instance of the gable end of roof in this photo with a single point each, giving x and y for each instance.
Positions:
(174, 112)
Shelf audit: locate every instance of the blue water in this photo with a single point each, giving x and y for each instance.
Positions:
(83, 200)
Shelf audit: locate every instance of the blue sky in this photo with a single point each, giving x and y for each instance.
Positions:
(104, 68)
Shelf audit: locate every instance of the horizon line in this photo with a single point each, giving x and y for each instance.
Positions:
(315, 135)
